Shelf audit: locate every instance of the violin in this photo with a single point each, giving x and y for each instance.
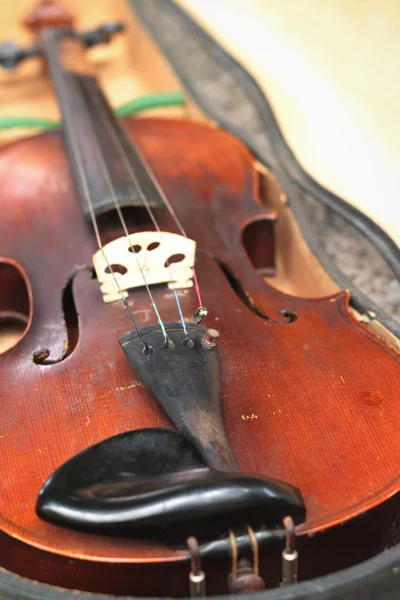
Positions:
(172, 422)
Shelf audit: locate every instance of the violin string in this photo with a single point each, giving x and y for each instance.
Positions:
(77, 151)
(106, 174)
(135, 181)
(142, 195)
(159, 189)
(171, 211)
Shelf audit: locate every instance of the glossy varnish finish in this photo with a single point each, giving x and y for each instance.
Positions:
(313, 402)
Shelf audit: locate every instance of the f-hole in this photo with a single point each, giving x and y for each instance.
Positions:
(15, 304)
(289, 316)
(41, 357)
(258, 241)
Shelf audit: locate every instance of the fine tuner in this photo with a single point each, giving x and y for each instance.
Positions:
(244, 577)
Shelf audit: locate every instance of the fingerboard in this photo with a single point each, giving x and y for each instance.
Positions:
(105, 162)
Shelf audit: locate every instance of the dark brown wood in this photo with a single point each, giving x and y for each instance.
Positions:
(313, 402)
(90, 126)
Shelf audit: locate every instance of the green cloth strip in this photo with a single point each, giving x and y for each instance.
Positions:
(151, 101)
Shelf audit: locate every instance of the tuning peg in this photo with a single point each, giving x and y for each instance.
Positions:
(11, 55)
(101, 35)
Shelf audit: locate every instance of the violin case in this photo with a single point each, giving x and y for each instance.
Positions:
(209, 35)
(163, 37)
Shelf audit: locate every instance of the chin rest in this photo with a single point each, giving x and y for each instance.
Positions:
(154, 482)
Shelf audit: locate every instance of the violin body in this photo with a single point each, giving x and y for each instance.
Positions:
(309, 395)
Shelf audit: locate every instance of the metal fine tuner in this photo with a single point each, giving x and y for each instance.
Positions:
(197, 577)
(290, 557)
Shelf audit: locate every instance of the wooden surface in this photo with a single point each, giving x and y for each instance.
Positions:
(324, 389)
(328, 69)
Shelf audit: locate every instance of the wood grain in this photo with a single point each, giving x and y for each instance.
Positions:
(325, 389)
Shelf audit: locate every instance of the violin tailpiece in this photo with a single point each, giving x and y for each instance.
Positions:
(186, 382)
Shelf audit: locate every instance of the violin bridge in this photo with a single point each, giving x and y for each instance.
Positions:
(149, 256)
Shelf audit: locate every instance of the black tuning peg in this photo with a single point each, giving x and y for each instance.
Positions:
(101, 35)
(11, 55)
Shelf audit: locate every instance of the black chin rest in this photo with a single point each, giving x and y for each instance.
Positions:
(152, 482)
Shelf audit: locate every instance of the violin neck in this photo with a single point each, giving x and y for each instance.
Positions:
(107, 167)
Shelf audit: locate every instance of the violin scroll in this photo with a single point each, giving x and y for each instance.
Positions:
(48, 13)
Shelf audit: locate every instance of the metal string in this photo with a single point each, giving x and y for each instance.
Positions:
(142, 195)
(136, 183)
(77, 151)
(173, 214)
(234, 553)
(106, 174)
(254, 547)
